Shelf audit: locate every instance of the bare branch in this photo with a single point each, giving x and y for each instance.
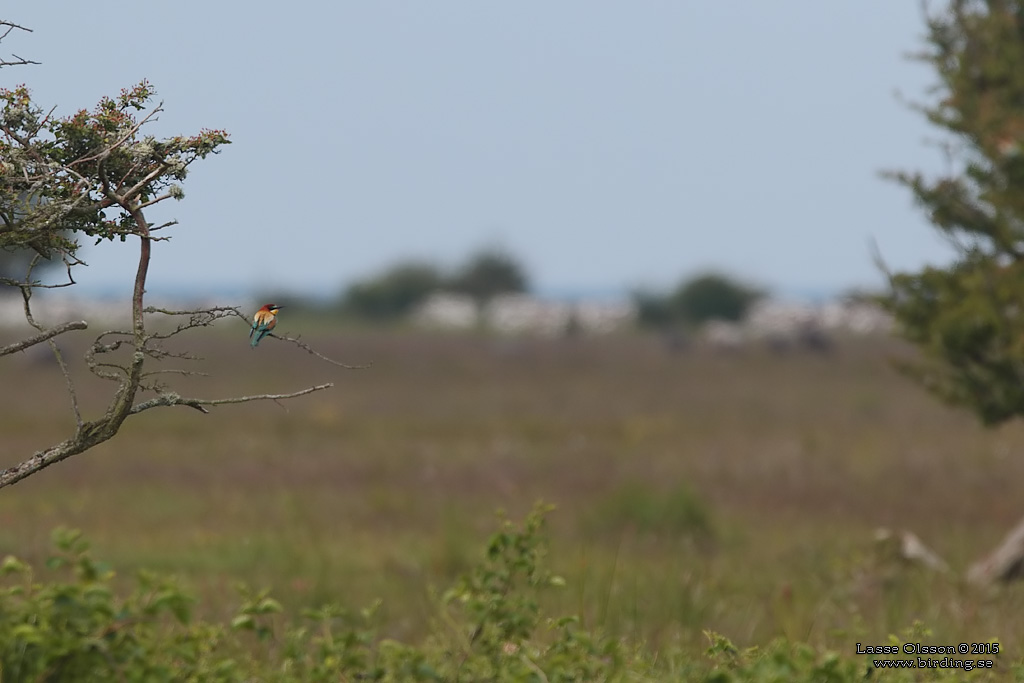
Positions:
(6, 29)
(17, 61)
(43, 336)
(151, 202)
(226, 310)
(45, 458)
(308, 349)
(10, 26)
(176, 371)
(200, 404)
(26, 294)
(36, 285)
(28, 282)
(157, 353)
(67, 379)
(220, 312)
(199, 317)
(48, 335)
(98, 347)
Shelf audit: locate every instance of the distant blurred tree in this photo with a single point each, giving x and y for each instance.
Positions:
(695, 301)
(968, 318)
(653, 309)
(487, 274)
(713, 297)
(392, 294)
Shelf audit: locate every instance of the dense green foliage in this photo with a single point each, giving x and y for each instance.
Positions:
(490, 628)
(87, 175)
(696, 300)
(967, 318)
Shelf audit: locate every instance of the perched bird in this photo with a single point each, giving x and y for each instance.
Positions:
(263, 322)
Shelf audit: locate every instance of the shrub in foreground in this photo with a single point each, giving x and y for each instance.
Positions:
(490, 627)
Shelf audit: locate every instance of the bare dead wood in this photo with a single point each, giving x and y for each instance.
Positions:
(171, 399)
(45, 335)
(5, 29)
(1002, 565)
(91, 434)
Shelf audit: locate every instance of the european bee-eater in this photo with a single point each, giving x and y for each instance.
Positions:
(263, 322)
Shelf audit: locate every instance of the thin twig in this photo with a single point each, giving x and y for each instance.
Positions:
(176, 371)
(26, 294)
(162, 226)
(319, 355)
(18, 61)
(151, 202)
(34, 285)
(71, 385)
(200, 404)
(98, 347)
(10, 27)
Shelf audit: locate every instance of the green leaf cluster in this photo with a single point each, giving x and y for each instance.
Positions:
(86, 174)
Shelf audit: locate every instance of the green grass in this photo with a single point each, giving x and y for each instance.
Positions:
(697, 491)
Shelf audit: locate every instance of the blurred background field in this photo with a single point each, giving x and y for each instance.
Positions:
(737, 491)
(587, 270)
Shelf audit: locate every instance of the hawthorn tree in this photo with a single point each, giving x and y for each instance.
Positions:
(92, 176)
(968, 318)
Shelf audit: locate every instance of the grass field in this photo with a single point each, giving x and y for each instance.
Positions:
(737, 493)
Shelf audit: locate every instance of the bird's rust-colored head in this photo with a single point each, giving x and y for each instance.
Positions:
(271, 308)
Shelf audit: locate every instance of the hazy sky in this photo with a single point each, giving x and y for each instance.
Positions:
(606, 144)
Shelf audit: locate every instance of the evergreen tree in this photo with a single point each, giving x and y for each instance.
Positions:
(968, 318)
